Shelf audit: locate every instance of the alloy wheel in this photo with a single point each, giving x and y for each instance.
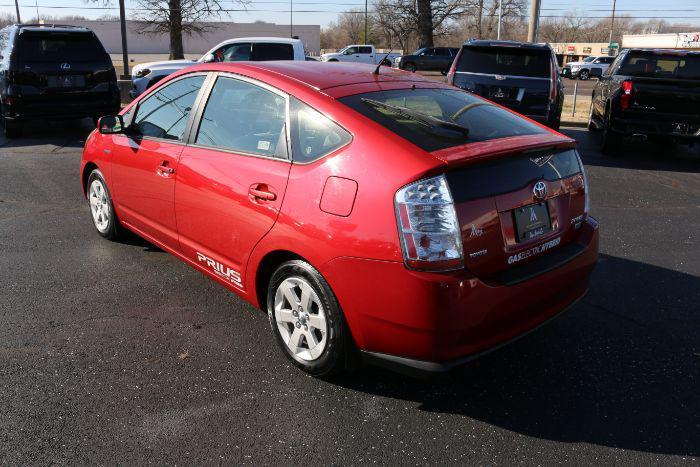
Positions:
(300, 318)
(99, 205)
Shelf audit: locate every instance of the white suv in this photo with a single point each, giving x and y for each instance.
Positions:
(145, 75)
(582, 70)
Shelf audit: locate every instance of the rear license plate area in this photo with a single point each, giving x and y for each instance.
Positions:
(66, 81)
(532, 221)
(502, 92)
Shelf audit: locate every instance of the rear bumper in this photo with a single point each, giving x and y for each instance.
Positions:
(68, 106)
(434, 322)
(681, 127)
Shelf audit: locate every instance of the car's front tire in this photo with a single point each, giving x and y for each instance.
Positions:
(101, 207)
(306, 319)
(410, 67)
(583, 75)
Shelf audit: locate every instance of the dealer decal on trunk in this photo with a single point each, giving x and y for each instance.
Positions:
(534, 250)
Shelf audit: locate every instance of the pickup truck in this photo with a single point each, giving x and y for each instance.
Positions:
(145, 75)
(584, 69)
(360, 54)
(652, 94)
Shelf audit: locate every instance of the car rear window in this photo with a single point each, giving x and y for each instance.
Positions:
(264, 52)
(461, 117)
(655, 65)
(510, 61)
(59, 46)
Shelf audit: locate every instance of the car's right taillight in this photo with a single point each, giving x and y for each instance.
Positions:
(626, 94)
(428, 226)
(587, 191)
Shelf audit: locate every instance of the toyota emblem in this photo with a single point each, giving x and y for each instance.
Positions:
(65, 66)
(539, 190)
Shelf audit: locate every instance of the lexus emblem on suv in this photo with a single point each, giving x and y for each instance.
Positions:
(539, 190)
(65, 66)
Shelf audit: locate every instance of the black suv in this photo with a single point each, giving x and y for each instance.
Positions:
(427, 59)
(519, 75)
(53, 71)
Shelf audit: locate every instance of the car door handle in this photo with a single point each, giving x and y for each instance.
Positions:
(164, 169)
(262, 192)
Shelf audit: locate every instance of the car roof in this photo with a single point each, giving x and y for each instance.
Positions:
(321, 75)
(283, 40)
(522, 45)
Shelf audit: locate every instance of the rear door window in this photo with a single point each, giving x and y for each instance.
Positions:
(269, 51)
(244, 118)
(509, 61)
(59, 47)
(439, 118)
(655, 65)
(165, 114)
(365, 50)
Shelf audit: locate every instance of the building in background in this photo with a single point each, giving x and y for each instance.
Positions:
(143, 45)
(574, 52)
(683, 40)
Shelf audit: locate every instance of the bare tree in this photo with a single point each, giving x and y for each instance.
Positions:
(177, 18)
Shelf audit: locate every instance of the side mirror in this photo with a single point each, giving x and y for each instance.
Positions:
(110, 124)
(596, 72)
(208, 58)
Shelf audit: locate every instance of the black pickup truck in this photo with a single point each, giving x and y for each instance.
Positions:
(648, 93)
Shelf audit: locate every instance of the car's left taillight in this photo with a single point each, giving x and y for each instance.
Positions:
(587, 191)
(626, 94)
(428, 226)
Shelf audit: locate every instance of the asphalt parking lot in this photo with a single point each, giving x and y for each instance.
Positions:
(119, 353)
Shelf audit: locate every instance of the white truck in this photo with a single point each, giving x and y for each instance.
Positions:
(145, 75)
(360, 54)
(584, 70)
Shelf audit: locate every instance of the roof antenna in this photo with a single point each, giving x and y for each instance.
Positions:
(376, 70)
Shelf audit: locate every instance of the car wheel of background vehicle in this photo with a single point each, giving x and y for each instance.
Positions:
(583, 75)
(410, 67)
(10, 129)
(611, 142)
(591, 123)
(306, 319)
(333, 60)
(101, 206)
(444, 72)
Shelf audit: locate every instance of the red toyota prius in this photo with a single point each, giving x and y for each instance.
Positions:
(370, 213)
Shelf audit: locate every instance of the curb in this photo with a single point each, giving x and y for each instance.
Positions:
(575, 123)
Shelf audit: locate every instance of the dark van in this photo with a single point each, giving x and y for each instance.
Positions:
(519, 75)
(53, 71)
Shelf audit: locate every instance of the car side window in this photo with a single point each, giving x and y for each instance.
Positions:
(365, 50)
(352, 50)
(313, 134)
(246, 118)
(165, 113)
(239, 52)
(442, 52)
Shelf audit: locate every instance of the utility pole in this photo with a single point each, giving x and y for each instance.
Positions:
(366, 22)
(125, 51)
(612, 24)
(500, 17)
(533, 27)
(19, 21)
(291, 18)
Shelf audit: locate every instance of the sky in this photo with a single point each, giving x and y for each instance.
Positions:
(324, 11)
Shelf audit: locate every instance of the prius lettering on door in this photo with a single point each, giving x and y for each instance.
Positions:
(221, 270)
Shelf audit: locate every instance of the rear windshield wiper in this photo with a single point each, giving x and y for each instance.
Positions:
(423, 119)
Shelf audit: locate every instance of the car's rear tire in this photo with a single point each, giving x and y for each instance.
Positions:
(611, 141)
(11, 129)
(101, 207)
(410, 67)
(583, 75)
(591, 122)
(307, 321)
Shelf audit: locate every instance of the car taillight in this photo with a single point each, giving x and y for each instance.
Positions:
(428, 226)
(587, 192)
(626, 95)
(451, 73)
(553, 83)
